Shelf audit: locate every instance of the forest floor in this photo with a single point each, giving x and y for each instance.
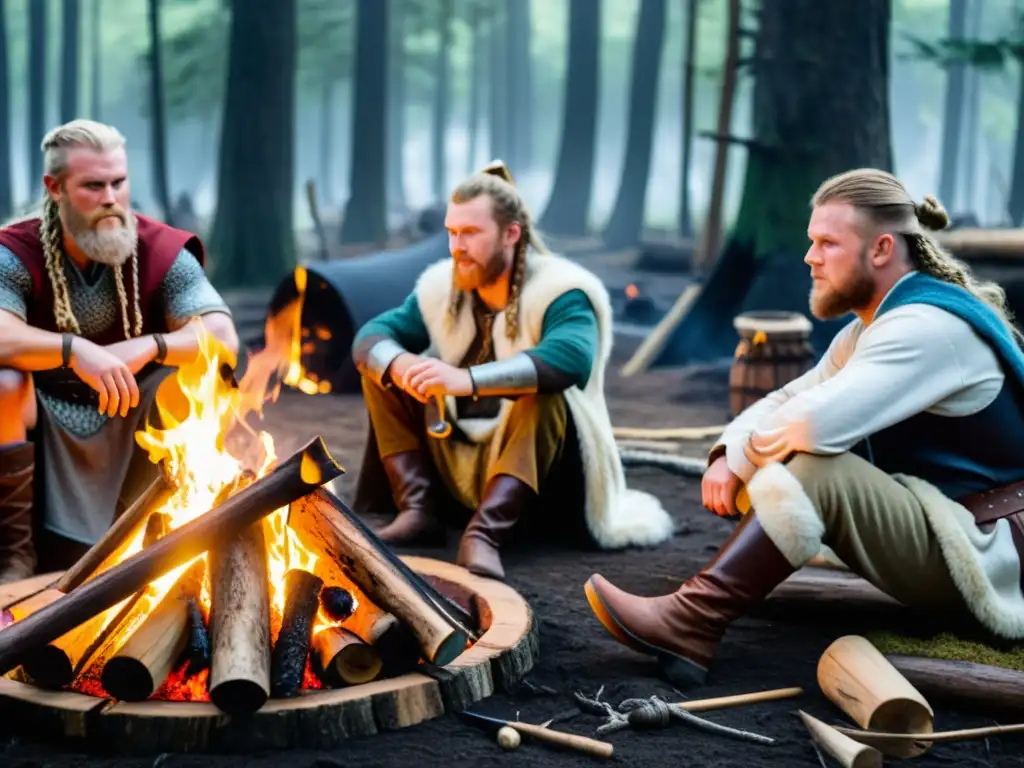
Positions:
(576, 653)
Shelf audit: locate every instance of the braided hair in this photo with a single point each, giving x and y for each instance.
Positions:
(55, 146)
(496, 182)
(883, 199)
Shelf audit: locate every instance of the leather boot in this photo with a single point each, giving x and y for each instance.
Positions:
(410, 478)
(17, 548)
(502, 504)
(682, 630)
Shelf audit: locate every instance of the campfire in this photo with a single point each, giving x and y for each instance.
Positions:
(240, 577)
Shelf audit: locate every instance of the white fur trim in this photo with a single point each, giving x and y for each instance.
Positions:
(616, 515)
(984, 565)
(786, 513)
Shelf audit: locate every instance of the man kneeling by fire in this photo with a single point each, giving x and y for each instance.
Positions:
(514, 341)
(900, 450)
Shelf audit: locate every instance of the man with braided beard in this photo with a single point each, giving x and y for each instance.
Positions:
(515, 340)
(98, 305)
(901, 450)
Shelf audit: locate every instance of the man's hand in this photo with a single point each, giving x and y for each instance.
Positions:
(719, 487)
(135, 353)
(397, 369)
(431, 377)
(106, 373)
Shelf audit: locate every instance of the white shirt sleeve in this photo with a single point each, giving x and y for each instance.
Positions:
(912, 359)
(737, 433)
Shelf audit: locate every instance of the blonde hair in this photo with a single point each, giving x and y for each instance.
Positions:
(885, 203)
(496, 181)
(55, 147)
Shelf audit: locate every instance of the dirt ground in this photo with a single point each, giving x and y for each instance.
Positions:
(576, 654)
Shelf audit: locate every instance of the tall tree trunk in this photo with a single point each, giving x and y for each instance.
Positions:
(69, 61)
(396, 104)
(805, 130)
(327, 88)
(442, 100)
(366, 212)
(686, 119)
(952, 118)
(711, 231)
(36, 94)
(568, 206)
(96, 51)
(6, 191)
(158, 121)
(1015, 201)
(974, 85)
(498, 132)
(626, 223)
(518, 75)
(252, 243)
(476, 60)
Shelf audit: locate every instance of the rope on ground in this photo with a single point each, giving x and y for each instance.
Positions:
(653, 712)
(680, 465)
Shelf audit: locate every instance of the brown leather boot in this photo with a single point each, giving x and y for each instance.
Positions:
(682, 630)
(410, 476)
(504, 501)
(17, 549)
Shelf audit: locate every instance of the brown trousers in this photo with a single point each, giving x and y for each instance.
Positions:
(538, 447)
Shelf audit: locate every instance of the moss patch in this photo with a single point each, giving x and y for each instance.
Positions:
(950, 647)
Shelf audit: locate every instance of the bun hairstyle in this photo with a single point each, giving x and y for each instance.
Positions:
(931, 214)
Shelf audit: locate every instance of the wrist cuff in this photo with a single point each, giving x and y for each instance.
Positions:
(516, 375)
(380, 357)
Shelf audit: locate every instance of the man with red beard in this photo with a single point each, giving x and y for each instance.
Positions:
(98, 305)
(900, 450)
(515, 341)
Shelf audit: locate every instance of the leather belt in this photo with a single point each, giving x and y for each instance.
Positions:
(1006, 501)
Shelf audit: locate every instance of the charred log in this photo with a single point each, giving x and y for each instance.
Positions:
(302, 593)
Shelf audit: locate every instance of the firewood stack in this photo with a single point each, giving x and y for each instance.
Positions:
(190, 616)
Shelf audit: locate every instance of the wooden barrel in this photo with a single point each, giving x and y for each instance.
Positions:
(774, 349)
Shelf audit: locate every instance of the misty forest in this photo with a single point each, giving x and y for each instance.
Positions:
(288, 131)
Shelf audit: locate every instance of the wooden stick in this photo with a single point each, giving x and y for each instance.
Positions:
(667, 433)
(848, 752)
(198, 646)
(288, 660)
(344, 659)
(147, 657)
(300, 474)
(322, 527)
(582, 744)
(740, 699)
(240, 623)
(883, 741)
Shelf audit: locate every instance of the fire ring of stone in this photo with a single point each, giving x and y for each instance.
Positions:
(323, 719)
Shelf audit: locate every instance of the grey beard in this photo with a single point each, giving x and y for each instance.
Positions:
(111, 247)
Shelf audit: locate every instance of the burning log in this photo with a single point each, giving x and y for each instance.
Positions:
(344, 659)
(302, 600)
(323, 527)
(294, 478)
(198, 651)
(240, 623)
(145, 660)
(337, 603)
(57, 664)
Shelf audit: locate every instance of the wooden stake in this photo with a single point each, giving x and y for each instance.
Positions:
(321, 527)
(344, 659)
(892, 743)
(288, 660)
(739, 700)
(147, 657)
(861, 681)
(240, 623)
(848, 752)
(303, 472)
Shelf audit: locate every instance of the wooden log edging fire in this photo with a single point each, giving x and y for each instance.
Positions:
(506, 650)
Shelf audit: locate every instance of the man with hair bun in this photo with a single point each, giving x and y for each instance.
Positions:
(515, 342)
(98, 305)
(901, 450)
